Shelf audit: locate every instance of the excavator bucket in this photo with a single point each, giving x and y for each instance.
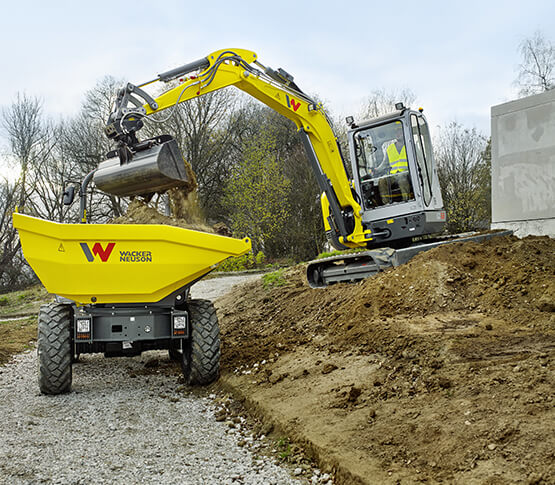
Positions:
(155, 167)
(120, 263)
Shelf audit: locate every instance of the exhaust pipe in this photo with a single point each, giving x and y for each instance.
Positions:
(156, 165)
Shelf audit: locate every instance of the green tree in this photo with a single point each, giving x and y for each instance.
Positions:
(302, 236)
(463, 158)
(257, 193)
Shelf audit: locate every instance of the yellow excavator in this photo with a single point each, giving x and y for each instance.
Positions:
(123, 289)
(387, 203)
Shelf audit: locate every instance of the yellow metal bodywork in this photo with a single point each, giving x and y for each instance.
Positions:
(308, 117)
(144, 264)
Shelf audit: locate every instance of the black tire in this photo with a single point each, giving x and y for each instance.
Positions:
(201, 352)
(55, 352)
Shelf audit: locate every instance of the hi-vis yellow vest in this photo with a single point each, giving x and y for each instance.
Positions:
(397, 161)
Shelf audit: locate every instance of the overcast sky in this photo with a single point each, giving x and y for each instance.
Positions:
(459, 58)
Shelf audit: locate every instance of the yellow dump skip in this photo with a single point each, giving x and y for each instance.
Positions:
(127, 263)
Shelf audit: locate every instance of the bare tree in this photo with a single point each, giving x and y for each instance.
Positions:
(14, 272)
(48, 176)
(378, 103)
(204, 128)
(382, 101)
(22, 122)
(464, 172)
(83, 145)
(536, 72)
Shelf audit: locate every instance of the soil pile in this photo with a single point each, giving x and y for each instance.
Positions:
(505, 278)
(140, 212)
(438, 370)
(184, 206)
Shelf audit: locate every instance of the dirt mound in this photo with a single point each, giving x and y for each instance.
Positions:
(439, 369)
(184, 206)
(506, 278)
(139, 212)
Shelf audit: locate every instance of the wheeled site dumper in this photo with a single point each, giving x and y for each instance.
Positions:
(121, 290)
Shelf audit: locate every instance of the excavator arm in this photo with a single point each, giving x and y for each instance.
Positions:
(276, 89)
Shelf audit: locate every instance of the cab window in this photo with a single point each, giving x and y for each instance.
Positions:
(382, 164)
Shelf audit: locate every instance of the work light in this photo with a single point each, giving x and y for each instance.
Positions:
(83, 325)
(179, 322)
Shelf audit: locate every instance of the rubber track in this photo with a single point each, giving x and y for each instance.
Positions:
(202, 358)
(54, 348)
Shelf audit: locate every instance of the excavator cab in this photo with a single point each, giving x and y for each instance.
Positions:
(395, 176)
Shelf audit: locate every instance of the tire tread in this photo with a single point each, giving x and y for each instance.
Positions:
(201, 360)
(54, 348)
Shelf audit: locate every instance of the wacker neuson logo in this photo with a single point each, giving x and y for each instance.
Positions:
(97, 250)
(105, 253)
(135, 256)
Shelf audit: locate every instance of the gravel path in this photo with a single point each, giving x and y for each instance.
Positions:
(121, 425)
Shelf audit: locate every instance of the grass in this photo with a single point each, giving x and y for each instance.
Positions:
(274, 279)
(18, 320)
(17, 336)
(284, 447)
(22, 302)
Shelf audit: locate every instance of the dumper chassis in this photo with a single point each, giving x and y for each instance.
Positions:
(127, 331)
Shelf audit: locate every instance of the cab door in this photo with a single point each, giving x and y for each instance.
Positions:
(427, 174)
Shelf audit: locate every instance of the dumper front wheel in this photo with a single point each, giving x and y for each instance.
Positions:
(54, 348)
(201, 352)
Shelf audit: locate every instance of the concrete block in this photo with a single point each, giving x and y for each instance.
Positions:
(523, 164)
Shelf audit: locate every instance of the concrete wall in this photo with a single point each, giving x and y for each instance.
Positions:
(523, 165)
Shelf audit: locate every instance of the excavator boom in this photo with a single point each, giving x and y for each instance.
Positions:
(276, 89)
(394, 197)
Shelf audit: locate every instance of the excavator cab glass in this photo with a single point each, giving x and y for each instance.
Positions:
(424, 156)
(383, 169)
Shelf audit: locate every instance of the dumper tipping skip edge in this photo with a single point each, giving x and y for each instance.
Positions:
(104, 263)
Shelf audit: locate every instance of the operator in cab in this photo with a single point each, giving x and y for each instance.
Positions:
(396, 164)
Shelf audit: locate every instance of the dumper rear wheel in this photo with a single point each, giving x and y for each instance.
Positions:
(201, 352)
(54, 350)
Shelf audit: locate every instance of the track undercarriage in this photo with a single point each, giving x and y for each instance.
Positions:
(351, 267)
